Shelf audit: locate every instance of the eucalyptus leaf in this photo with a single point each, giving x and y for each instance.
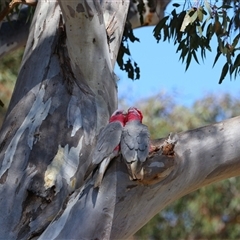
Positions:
(224, 72)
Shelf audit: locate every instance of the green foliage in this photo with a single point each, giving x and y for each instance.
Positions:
(9, 66)
(193, 27)
(141, 10)
(126, 65)
(211, 212)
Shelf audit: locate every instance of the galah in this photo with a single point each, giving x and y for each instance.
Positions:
(107, 146)
(135, 143)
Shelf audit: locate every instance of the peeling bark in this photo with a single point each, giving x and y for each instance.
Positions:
(56, 111)
(14, 38)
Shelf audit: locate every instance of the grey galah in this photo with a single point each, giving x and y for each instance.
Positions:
(107, 146)
(135, 143)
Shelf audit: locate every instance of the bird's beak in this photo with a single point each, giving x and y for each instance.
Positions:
(125, 116)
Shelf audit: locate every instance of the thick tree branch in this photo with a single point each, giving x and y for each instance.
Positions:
(114, 17)
(154, 12)
(87, 39)
(198, 158)
(201, 157)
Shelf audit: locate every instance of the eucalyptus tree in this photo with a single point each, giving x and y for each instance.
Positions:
(65, 92)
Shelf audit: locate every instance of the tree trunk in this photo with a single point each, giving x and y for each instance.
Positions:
(59, 104)
(64, 95)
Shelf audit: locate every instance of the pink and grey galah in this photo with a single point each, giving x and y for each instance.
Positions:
(135, 143)
(108, 145)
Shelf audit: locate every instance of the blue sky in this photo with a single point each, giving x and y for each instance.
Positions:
(161, 71)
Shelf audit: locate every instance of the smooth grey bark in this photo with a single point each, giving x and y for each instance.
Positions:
(14, 35)
(26, 148)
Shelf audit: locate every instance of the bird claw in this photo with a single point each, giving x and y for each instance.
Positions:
(135, 171)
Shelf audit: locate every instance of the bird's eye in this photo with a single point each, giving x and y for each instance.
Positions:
(118, 112)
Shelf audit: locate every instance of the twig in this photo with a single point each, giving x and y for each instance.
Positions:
(12, 4)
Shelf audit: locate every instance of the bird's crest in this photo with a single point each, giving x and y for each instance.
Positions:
(118, 115)
(132, 111)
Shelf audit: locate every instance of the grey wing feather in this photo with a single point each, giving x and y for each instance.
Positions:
(128, 143)
(108, 139)
(143, 143)
(135, 142)
(102, 169)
